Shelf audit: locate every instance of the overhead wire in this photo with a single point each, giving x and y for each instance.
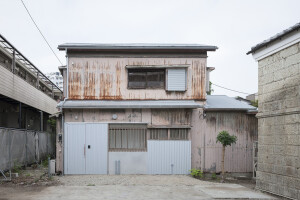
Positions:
(229, 89)
(41, 33)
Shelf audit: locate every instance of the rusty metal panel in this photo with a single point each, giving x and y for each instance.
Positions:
(238, 157)
(106, 78)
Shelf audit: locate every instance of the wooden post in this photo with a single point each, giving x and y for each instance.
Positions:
(223, 158)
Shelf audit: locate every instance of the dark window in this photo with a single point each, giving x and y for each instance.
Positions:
(159, 134)
(169, 134)
(146, 78)
(179, 134)
(127, 137)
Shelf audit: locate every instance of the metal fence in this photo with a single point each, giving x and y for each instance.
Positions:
(22, 147)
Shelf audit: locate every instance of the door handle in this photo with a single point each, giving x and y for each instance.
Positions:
(84, 150)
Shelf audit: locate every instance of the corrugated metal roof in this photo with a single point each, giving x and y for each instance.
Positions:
(223, 102)
(107, 104)
(127, 46)
(275, 37)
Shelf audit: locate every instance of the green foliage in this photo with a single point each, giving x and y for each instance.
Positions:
(45, 163)
(52, 123)
(213, 176)
(91, 184)
(225, 139)
(254, 103)
(197, 173)
(27, 175)
(210, 90)
(17, 168)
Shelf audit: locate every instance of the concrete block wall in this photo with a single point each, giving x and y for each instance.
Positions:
(279, 123)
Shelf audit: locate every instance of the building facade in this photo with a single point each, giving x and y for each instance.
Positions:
(278, 112)
(137, 109)
(27, 100)
(56, 78)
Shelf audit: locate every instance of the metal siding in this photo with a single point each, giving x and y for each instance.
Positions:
(74, 161)
(176, 80)
(78, 158)
(96, 156)
(162, 154)
(18, 89)
(105, 78)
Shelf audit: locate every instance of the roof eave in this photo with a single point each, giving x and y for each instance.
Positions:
(277, 37)
(64, 47)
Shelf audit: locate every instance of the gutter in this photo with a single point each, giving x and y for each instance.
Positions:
(231, 109)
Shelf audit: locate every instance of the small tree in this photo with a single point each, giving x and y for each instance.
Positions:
(226, 140)
(210, 90)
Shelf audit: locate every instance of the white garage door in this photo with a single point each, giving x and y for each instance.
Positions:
(169, 157)
(86, 148)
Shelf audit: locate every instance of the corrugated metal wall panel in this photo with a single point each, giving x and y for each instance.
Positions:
(96, 155)
(176, 80)
(79, 158)
(74, 159)
(103, 78)
(16, 88)
(168, 157)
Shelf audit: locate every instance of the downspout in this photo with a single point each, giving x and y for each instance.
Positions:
(62, 116)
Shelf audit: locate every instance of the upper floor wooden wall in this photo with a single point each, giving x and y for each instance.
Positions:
(103, 78)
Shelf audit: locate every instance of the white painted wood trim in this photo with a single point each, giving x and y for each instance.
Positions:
(285, 42)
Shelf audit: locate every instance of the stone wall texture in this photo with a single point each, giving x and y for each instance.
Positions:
(279, 123)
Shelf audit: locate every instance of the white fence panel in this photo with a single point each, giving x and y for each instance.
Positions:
(169, 157)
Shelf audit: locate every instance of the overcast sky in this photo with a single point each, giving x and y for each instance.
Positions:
(232, 25)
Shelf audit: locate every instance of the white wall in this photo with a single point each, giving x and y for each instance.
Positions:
(16, 88)
(130, 162)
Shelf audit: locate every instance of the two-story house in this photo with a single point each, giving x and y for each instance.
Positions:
(134, 108)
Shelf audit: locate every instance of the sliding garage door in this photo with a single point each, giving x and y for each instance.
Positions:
(169, 157)
(85, 148)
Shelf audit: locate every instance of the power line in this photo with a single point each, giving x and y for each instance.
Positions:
(40, 32)
(229, 89)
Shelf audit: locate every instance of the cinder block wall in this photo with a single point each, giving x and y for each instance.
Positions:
(279, 123)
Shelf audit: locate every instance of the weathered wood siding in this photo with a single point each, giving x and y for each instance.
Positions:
(106, 78)
(160, 117)
(14, 87)
(238, 157)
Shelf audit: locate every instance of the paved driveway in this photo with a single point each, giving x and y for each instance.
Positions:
(136, 187)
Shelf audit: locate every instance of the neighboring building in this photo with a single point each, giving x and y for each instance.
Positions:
(243, 99)
(25, 91)
(252, 97)
(279, 113)
(143, 109)
(56, 78)
(27, 100)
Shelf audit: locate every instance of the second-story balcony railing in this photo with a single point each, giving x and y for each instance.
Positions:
(17, 63)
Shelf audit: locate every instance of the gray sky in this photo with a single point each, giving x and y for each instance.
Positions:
(232, 25)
